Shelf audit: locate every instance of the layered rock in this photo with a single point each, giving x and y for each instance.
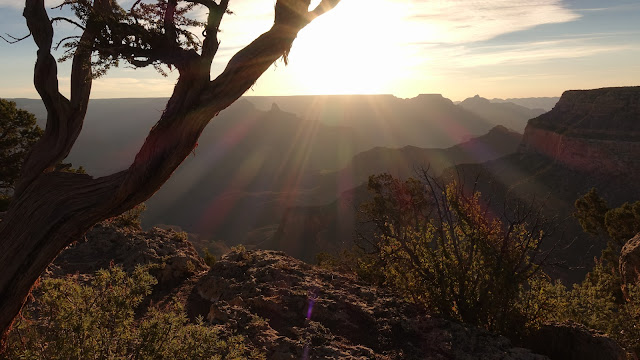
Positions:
(590, 131)
(297, 311)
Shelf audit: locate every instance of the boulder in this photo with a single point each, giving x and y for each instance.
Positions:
(129, 246)
(572, 341)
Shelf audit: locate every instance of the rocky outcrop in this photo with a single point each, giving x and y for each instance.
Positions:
(571, 341)
(630, 261)
(590, 131)
(129, 246)
(293, 310)
(297, 311)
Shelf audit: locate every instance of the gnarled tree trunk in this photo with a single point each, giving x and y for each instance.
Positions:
(50, 210)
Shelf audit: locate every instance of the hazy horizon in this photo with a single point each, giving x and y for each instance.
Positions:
(311, 95)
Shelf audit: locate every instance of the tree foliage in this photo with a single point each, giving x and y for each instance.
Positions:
(443, 248)
(597, 304)
(136, 36)
(18, 133)
(598, 301)
(95, 319)
(617, 224)
(590, 212)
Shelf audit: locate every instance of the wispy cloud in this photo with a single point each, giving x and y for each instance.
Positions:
(455, 22)
(619, 7)
(528, 53)
(19, 4)
(460, 59)
(16, 4)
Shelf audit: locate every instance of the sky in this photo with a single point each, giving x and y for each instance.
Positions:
(458, 48)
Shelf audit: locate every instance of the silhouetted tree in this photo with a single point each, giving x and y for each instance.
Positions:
(51, 209)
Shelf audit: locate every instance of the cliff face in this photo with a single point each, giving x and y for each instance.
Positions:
(592, 131)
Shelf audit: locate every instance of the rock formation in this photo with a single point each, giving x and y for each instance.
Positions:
(293, 310)
(590, 131)
(108, 243)
(297, 311)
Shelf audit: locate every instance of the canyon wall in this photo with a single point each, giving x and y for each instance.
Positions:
(591, 131)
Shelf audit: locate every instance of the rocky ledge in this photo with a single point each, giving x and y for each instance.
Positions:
(129, 246)
(293, 310)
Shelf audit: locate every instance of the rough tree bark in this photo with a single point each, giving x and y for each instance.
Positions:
(52, 209)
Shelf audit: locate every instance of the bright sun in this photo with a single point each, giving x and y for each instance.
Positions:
(354, 49)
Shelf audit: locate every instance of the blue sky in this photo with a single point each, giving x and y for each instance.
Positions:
(495, 48)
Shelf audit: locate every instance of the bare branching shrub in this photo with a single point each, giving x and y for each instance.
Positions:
(442, 247)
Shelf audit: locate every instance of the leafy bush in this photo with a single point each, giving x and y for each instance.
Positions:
(209, 258)
(70, 319)
(356, 261)
(130, 218)
(440, 247)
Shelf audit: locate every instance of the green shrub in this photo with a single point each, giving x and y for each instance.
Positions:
(543, 301)
(130, 218)
(240, 249)
(355, 260)
(70, 319)
(209, 258)
(616, 225)
(598, 304)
